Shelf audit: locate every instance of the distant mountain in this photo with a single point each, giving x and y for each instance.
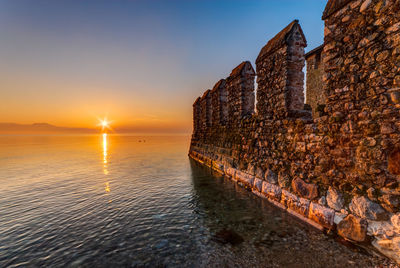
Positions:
(41, 128)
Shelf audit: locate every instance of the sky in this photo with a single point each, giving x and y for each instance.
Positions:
(140, 63)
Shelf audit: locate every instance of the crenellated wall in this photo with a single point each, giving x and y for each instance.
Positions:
(339, 169)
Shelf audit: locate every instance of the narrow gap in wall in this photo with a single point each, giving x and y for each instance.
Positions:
(255, 94)
(305, 82)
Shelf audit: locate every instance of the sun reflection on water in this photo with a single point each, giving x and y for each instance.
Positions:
(105, 162)
(105, 150)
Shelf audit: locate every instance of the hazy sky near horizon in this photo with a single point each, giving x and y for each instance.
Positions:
(142, 63)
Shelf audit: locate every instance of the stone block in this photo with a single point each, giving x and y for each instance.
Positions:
(244, 178)
(380, 228)
(395, 220)
(271, 177)
(306, 190)
(334, 198)
(388, 247)
(322, 215)
(295, 203)
(353, 228)
(258, 184)
(231, 172)
(366, 209)
(283, 181)
(271, 191)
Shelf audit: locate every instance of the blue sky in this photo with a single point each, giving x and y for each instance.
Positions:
(137, 61)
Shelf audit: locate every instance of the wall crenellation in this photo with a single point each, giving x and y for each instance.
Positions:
(219, 103)
(240, 88)
(206, 111)
(338, 169)
(279, 73)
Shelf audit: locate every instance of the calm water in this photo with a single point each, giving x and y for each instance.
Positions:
(94, 201)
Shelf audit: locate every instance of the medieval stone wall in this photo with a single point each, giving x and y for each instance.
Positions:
(338, 170)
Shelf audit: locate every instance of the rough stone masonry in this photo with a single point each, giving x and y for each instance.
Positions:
(337, 169)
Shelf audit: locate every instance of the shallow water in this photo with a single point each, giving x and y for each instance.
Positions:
(107, 201)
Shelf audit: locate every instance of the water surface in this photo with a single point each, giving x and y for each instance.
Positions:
(131, 201)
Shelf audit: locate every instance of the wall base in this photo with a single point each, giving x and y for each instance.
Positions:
(384, 235)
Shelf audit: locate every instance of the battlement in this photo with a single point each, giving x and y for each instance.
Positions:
(279, 73)
(206, 110)
(240, 87)
(280, 83)
(219, 103)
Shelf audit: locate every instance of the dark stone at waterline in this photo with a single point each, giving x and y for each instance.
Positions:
(226, 236)
(307, 190)
(353, 228)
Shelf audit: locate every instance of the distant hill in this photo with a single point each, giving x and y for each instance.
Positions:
(41, 128)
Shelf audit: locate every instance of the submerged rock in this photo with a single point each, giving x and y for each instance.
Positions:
(226, 236)
(163, 243)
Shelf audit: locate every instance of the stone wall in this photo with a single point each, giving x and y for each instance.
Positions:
(338, 170)
(315, 95)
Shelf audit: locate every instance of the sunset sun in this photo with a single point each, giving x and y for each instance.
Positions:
(104, 123)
